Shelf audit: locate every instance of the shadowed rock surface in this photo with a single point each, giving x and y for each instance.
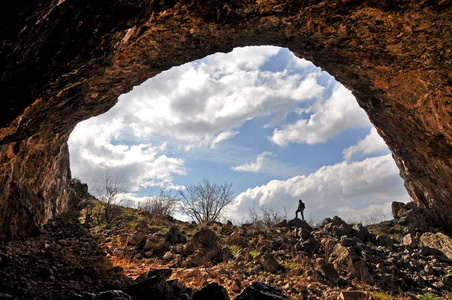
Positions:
(62, 62)
(80, 258)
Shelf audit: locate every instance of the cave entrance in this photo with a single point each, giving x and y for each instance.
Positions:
(275, 126)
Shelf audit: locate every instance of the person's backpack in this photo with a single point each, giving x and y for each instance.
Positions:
(301, 206)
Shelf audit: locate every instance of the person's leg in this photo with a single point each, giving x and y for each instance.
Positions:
(296, 214)
(302, 215)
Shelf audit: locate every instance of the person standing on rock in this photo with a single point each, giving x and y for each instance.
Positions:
(300, 209)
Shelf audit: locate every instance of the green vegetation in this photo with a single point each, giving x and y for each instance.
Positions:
(447, 274)
(234, 249)
(428, 296)
(124, 217)
(160, 227)
(388, 228)
(253, 253)
(292, 265)
(190, 232)
(380, 295)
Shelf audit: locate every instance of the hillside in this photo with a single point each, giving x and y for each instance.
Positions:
(141, 255)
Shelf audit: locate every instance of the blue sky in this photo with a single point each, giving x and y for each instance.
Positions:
(275, 126)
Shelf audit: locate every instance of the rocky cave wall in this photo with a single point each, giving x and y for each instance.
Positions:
(63, 61)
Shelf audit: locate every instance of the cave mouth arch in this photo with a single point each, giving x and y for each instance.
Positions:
(64, 62)
(252, 116)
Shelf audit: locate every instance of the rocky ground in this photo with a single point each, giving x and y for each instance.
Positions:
(139, 257)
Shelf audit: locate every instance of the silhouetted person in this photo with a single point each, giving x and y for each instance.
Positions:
(300, 209)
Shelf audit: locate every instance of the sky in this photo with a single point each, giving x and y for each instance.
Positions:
(275, 126)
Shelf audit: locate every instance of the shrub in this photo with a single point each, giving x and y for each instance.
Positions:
(266, 216)
(159, 206)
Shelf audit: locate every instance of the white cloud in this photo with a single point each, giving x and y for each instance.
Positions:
(370, 144)
(94, 154)
(254, 166)
(247, 58)
(196, 102)
(329, 118)
(199, 104)
(222, 136)
(300, 62)
(342, 189)
(205, 103)
(372, 214)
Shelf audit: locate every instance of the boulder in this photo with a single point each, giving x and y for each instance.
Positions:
(156, 242)
(360, 270)
(345, 259)
(205, 238)
(410, 241)
(117, 270)
(299, 224)
(348, 241)
(204, 256)
(155, 287)
(337, 221)
(359, 231)
(149, 254)
(448, 279)
(174, 236)
(310, 246)
(385, 240)
(427, 251)
(236, 285)
(353, 296)
(336, 227)
(304, 234)
(137, 238)
(261, 291)
(203, 247)
(210, 292)
(398, 209)
(236, 238)
(341, 230)
(282, 223)
(269, 263)
(168, 256)
(164, 273)
(329, 273)
(438, 241)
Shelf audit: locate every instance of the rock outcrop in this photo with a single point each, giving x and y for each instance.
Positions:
(62, 62)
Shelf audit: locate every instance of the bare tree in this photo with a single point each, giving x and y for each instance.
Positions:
(110, 192)
(159, 206)
(266, 216)
(206, 202)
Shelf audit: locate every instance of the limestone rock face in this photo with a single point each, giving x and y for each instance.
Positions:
(438, 241)
(62, 62)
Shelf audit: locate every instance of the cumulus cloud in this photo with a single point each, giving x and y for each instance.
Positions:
(200, 104)
(94, 154)
(196, 102)
(204, 104)
(370, 144)
(254, 166)
(342, 189)
(329, 118)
